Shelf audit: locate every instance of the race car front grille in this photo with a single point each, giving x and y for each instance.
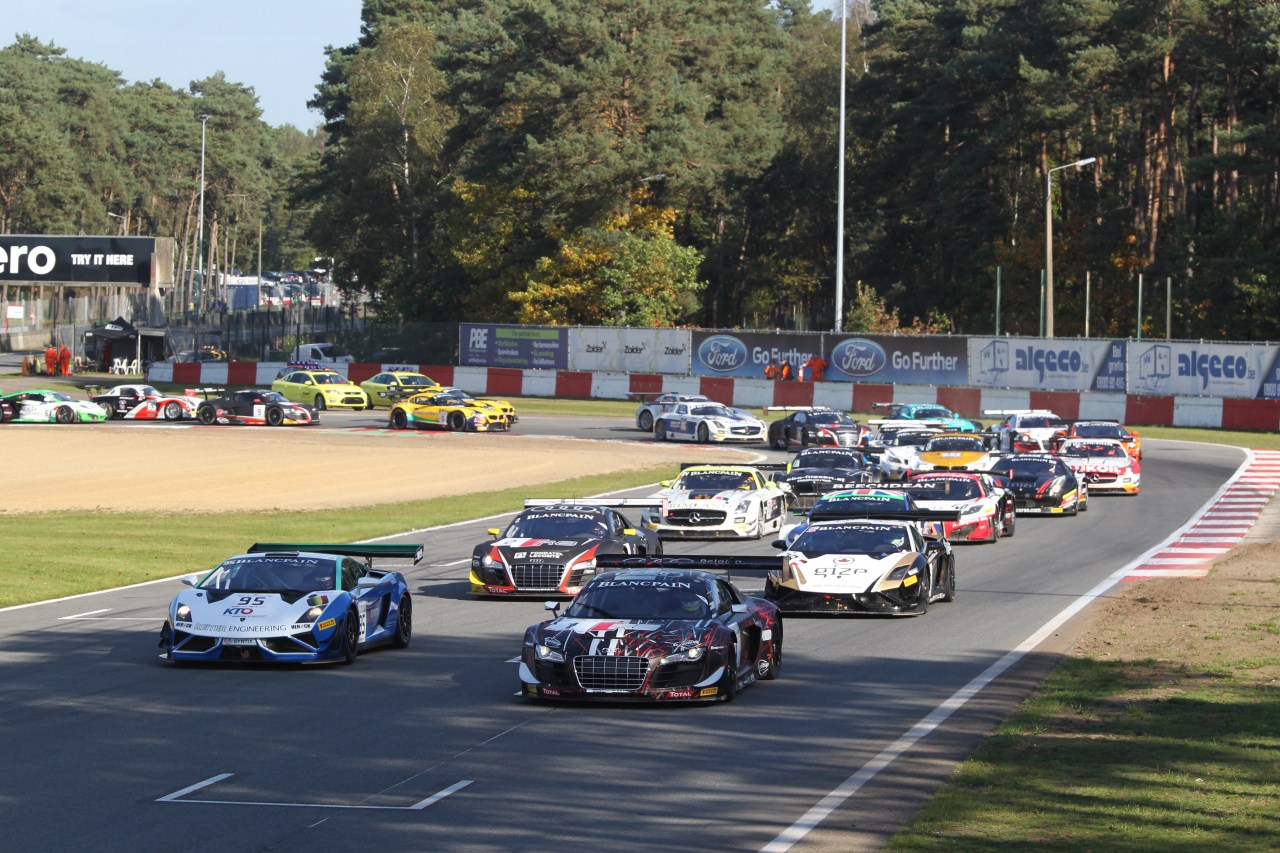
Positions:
(538, 576)
(744, 430)
(695, 517)
(288, 645)
(554, 673)
(847, 439)
(598, 672)
(352, 400)
(185, 642)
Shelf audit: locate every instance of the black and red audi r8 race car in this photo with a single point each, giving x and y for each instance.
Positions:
(660, 633)
(255, 406)
(551, 547)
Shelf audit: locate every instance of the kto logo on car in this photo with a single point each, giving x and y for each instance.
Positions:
(858, 357)
(722, 353)
(237, 611)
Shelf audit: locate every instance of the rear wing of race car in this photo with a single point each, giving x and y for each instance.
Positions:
(907, 423)
(644, 396)
(1006, 412)
(342, 549)
(207, 393)
(768, 409)
(871, 514)
(702, 562)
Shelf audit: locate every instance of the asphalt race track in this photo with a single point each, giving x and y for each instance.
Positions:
(109, 748)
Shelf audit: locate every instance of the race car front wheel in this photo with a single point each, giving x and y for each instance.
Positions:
(771, 667)
(646, 421)
(457, 421)
(704, 435)
(404, 624)
(64, 415)
(660, 431)
(275, 416)
(171, 411)
(320, 407)
(399, 420)
(109, 408)
(949, 586)
(206, 415)
(729, 689)
(350, 637)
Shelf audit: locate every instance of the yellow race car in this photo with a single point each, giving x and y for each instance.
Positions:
(384, 388)
(500, 407)
(442, 409)
(320, 387)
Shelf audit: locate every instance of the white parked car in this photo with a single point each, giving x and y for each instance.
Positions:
(1026, 430)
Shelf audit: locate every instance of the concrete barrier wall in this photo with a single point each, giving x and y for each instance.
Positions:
(1132, 409)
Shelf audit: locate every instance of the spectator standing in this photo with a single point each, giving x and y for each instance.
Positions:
(50, 361)
(771, 369)
(817, 367)
(64, 360)
(784, 372)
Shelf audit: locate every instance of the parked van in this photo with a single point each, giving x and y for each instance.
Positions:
(330, 353)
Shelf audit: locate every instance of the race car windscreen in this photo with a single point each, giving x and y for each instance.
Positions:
(274, 397)
(557, 525)
(1100, 431)
(1081, 448)
(710, 412)
(874, 539)
(1038, 422)
(938, 489)
(1029, 467)
(829, 418)
(955, 442)
(714, 481)
(829, 459)
(641, 599)
(264, 573)
(910, 439)
(413, 380)
(933, 414)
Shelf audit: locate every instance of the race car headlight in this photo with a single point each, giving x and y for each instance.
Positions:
(687, 656)
(547, 653)
(742, 505)
(310, 616)
(492, 559)
(183, 613)
(901, 572)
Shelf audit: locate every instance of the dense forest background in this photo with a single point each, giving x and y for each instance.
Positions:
(674, 162)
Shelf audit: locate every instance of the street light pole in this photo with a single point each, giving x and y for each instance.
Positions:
(121, 218)
(844, 38)
(1048, 239)
(204, 120)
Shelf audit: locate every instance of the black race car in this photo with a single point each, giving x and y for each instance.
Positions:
(1042, 484)
(254, 406)
(551, 547)
(824, 469)
(663, 632)
(809, 426)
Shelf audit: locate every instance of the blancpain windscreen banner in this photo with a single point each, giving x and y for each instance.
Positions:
(611, 350)
(1047, 364)
(904, 359)
(747, 353)
(1191, 369)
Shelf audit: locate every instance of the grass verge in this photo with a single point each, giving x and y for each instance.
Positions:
(50, 555)
(1159, 733)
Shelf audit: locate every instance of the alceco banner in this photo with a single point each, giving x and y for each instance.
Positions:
(1197, 369)
(613, 350)
(57, 259)
(1047, 363)
(747, 353)
(906, 359)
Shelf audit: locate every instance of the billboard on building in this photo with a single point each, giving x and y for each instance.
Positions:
(524, 347)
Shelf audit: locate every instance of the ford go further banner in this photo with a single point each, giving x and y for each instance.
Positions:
(1049, 364)
(746, 353)
(908, 359)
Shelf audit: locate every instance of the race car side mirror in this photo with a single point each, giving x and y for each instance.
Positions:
(780, 544)
(493, 531)
(190, 580)
(628, 531)
(552, 606)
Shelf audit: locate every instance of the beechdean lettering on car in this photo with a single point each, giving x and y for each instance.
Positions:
(911, 359)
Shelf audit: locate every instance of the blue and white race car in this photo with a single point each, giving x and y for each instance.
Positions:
(706, 422)
(291, 603)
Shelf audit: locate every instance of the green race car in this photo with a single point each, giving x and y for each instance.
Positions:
(51, 407)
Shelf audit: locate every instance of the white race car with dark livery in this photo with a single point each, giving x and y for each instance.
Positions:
(1104, 463)
(864, 565)
(145, 403)
(291, 603)
(1026, 430)
(551, 547)
(652, 405)
(719, 502)
(708, 422)
(900, 453)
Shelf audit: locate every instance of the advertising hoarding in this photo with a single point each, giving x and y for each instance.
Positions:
(1047, 364)
(524, 347)
(746, 353)
(905, 359)
(1203, 369)
(605, 349)
(92, 260)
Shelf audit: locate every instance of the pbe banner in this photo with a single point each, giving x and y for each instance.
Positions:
(746, 353)
(491, 345)
(1203, 369)
(1050, 364)
(111, 260)
(907, 359)
(611, 350)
